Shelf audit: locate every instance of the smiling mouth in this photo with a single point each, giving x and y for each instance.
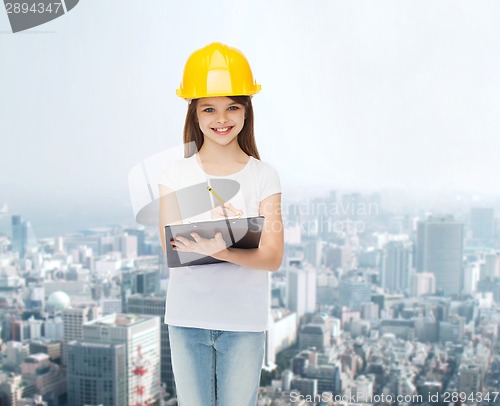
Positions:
(222, 130)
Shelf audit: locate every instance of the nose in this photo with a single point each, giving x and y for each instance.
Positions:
(221, 118)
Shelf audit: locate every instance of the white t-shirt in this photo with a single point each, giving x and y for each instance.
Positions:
(221, 296)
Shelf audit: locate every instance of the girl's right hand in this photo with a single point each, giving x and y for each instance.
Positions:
(228, 208)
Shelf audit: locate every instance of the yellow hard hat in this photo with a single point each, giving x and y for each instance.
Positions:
(217, 70)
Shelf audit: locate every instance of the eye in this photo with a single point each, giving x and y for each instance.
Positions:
(209, 110)
(233, 108)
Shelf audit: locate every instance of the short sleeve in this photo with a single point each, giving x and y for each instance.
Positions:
(270, 183)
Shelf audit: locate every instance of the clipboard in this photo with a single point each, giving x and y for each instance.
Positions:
(236, 232)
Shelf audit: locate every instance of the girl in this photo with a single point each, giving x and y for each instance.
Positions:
(217, 313)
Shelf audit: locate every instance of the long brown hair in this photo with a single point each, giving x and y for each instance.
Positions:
(246, 138)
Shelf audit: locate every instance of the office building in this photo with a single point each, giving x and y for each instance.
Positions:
(52, 348)
(110, 306)
(452, 329)
(472, 275)
(469, 378)
(423, 283)
(44, 377)
(19, 235)
(142, 248)
(20, 330)
(155, 306)
(11, 389)
(306, 387)
(301, 288)
(97, 374)
(315, 335)
(54, 329)
(128, 245)
(303, 360)
(141, 337)
(73, 320)
(396, 266)
(354, 290)
(328, 376)
(281, 334)
(16, 352)
(35, 327)
(139, 281)
(440, 251)
(491, 268)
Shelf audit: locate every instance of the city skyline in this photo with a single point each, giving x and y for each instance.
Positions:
(56, 220)
(351, 311)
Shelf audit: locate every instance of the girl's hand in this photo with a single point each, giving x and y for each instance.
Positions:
(200, 245)
(231, 211)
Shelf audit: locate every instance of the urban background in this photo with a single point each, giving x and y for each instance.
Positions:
(381, 118)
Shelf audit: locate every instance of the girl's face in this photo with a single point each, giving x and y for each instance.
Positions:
(220, 119)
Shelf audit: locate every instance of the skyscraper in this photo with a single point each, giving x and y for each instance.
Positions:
(155, 306)
(97, 374)
(301, 288)
(396, 266)
(73, 320)
(141, 338)
(19, 235)
(440, 251)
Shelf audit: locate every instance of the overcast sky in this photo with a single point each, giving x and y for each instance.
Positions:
(355, 95)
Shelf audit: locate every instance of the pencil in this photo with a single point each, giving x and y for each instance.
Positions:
(215, 194)
(220, 200)
(224, 211)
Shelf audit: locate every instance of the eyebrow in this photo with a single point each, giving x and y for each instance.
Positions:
(211, 105)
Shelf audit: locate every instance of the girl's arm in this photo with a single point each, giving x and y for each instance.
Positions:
(169, 212)
(270, 252)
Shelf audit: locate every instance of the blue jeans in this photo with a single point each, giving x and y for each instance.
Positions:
(214, 367)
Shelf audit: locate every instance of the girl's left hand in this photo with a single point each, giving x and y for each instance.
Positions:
(200, 245)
